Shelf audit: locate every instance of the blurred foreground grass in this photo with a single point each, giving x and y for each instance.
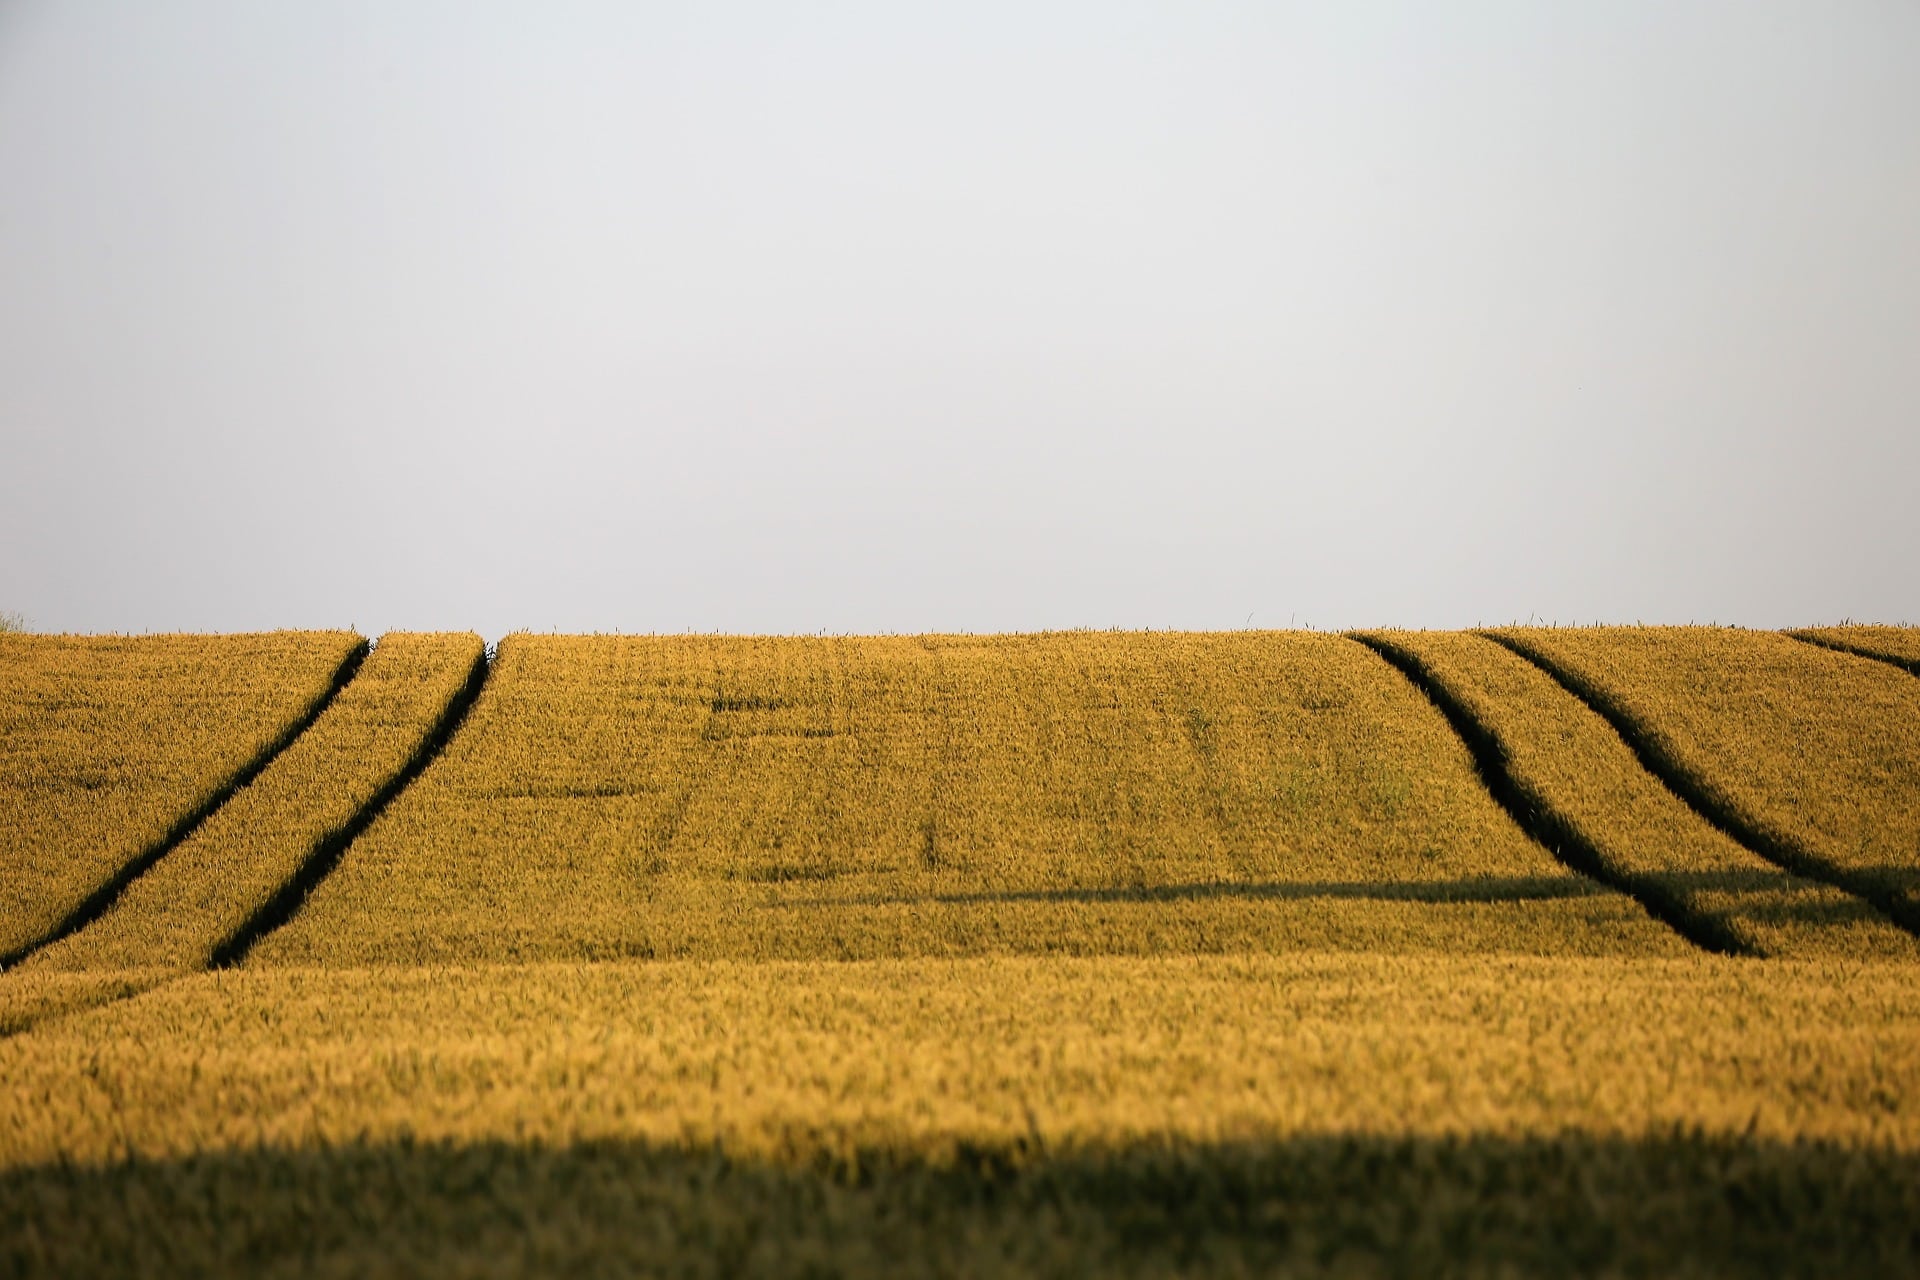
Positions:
(1370, 1113)
(1678, 1204)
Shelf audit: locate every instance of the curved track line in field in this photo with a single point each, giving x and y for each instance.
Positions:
(330, 848)
(1469, 889)
(96, 903)
(98, 1001)
(1489, 889)
(1782, 851)
(1910, 666)
(1540, 820)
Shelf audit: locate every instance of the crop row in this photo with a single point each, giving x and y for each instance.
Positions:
(200, 900)
(1093, 793)
(112, 748)
(1810, 756)
(927, 1055)
(1083, 792)
(1569, 765)
(1897, 645)
(1407, 1115)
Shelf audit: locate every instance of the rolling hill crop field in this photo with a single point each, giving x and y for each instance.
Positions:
(1520, 951)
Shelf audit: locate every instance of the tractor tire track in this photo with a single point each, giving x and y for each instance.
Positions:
(1785, 853)
(1909, 665)
(20, 1025)
(97, 903)
(1546, 825)
(330, 848)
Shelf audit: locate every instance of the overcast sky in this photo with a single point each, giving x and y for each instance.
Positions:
(896, 317)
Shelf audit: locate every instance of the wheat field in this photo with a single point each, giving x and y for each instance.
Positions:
(1897, 645)
(193, 904)
(855, 798)
(110, 746)
(1571, 764)
(1806, 753)
(1532, 951)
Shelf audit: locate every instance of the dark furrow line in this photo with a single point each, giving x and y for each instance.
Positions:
(1467, 889)
(331, 847)
(1655, 759)
(1472, 889)
(88, 1006)
(1911, 667)
(97, 903)
(1547, 827)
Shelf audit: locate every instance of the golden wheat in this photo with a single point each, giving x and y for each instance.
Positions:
(1898, 645)
(1415, 1115)
(1079, 792)
(781, 1059)
(107, 743)
(376, 1092)
(1568, 761)
(197, 897)
(1811, 751)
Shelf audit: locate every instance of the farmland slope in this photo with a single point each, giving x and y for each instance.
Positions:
(204, 893)
(1400, 1114)
(852, 797)
(1897, 645)
(1568, 763)
(112, 747)
(722, 956)
(1807, 754)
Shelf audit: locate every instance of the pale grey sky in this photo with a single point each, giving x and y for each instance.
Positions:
(773, 317)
